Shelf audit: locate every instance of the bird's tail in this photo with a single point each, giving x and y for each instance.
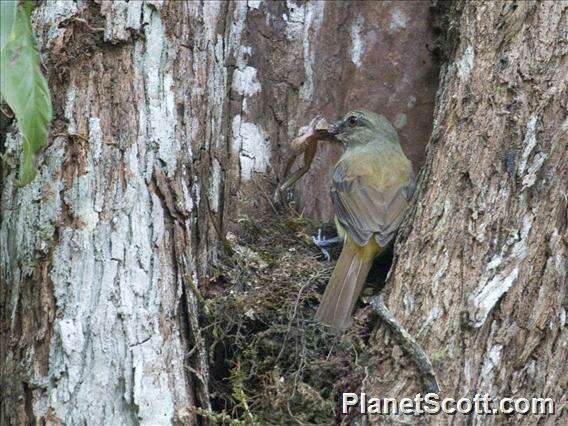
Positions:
(345, 285)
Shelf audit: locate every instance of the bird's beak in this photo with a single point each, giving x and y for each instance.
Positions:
(334, 128)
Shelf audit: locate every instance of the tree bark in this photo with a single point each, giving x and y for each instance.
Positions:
(172, 120)
(171, 117)
(480, 270)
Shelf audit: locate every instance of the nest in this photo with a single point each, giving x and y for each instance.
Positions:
(271, 362)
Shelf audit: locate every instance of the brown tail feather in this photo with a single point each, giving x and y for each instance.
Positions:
(344, 287)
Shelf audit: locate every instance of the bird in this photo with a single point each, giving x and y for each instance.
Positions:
(372, 185)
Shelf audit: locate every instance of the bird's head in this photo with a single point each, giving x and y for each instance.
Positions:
(361, 126)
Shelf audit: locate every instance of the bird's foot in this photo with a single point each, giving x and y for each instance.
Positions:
(324, 243)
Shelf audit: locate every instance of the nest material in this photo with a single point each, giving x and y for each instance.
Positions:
(271, 362)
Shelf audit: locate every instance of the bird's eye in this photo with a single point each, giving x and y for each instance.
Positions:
(352, 121)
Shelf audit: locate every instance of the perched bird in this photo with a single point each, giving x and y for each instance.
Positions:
(372, 184)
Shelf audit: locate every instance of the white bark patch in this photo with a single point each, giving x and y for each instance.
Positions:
(235, 35)
(433, 314)
(500, 274)
(56, 12)
(558, 248)
(96, 136)
(72, 343)
(121, 17)
(490, 365)
(530, 178)
(208, 64)
(441, 272)
(159, 113)
(115, 342)
(250, 144)
(398, 21)
(529, 143)
(465, 64)
(303, 24)
(245, 81)
(295, 16)
(357, 42)
(492, 292)
(468, 370)
(214, 186)
(494, 263)
(408, 301)
(210, 12)
(69, 108)
(52, 13)
(151, 395)
(254, 4)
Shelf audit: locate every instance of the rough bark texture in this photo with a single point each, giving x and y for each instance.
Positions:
(164, 111)
(480, 275)
(172, 116)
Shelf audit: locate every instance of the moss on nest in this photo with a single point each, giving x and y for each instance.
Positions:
(271, 363)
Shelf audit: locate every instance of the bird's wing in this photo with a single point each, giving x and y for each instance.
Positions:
(370, 193)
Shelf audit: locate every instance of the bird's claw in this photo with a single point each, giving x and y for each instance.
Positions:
(319, 240)
(324, 243)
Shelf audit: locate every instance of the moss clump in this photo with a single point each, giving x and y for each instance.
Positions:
(271, 363)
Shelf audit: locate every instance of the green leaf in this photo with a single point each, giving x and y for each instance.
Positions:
(29, 6)
(7, 18)
(25, 90)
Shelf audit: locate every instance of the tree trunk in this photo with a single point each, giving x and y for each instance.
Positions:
(172, 121)
(480, 270)
(171, 117)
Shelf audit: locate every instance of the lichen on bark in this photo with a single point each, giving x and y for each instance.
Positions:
(480, 271)
(173, 116)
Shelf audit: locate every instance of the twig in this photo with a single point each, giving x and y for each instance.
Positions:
(226, 245)
(72, 135)
(301, 423)
(408, 343)
(259, 188)
(310, 280)
(192, 296)
(191, 284)
(86, 24)
(239, 392)
(215, 416)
